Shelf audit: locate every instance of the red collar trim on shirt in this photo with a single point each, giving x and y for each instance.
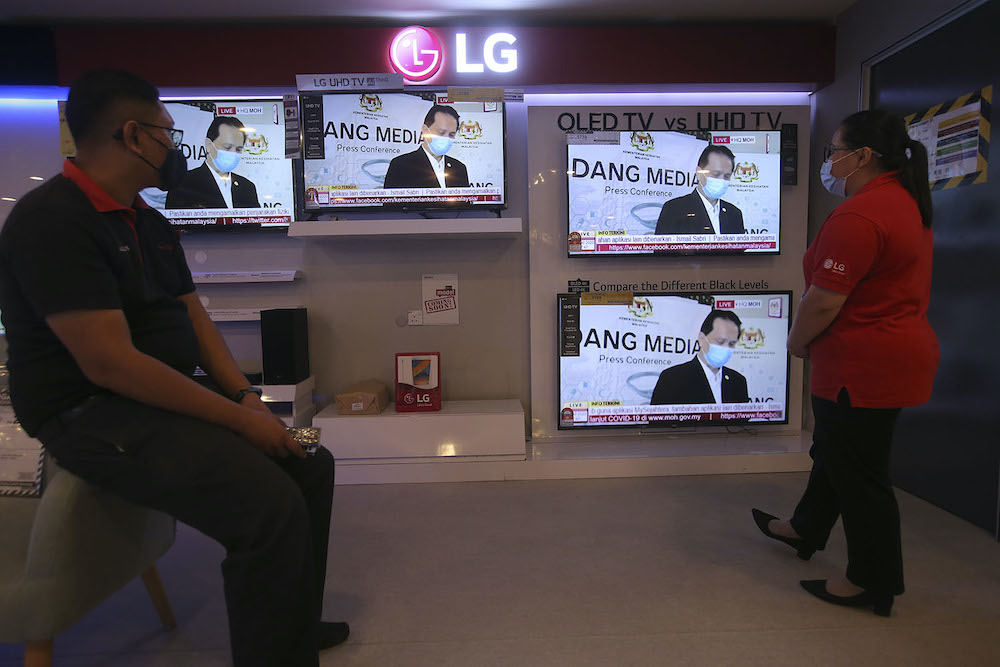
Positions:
(100, 199)
(881, 179)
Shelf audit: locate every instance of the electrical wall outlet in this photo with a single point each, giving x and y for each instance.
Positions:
(415, 318)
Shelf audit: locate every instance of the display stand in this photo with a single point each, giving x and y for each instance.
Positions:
(243, 277)
(466, 430)
(409, 228)
(292, 402)
(234, 314)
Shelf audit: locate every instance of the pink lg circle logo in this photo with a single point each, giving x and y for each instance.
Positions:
(416, 53)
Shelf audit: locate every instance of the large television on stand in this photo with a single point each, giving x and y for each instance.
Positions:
(373, 151)
(238, 178)
(673, 193)
(631, 359)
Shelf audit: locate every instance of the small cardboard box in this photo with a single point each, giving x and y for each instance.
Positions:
(368, 397)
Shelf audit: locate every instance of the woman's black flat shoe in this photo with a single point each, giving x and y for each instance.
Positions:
(880, 604)
(803, 550)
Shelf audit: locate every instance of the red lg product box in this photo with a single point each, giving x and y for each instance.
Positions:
(418, 382)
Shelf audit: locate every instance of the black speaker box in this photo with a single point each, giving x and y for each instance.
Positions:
(284, 337)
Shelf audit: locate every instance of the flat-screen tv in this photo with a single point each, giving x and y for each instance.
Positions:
(645, 193)
(238, 177)
(673, 359)
(410, 150)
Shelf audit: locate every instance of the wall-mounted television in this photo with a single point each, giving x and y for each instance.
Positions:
(646, 193)
(673, 359)
(401, 150)
(238, 177)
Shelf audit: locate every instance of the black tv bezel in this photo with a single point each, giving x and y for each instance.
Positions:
(670, 253)
(668, 426)
(302, 213)
(280, 228)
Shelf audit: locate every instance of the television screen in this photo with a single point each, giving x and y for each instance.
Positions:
(634, 193)
(412, 150)
(238, 177)
(658, 359)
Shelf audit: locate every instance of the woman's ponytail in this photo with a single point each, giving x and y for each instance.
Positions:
(913, 176)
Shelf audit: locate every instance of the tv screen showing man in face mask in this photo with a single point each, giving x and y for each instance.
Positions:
(430, 166)
(215, 184)
(704, 211)
(706, 378)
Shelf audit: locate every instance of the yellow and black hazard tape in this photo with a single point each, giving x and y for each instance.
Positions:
(985, 98)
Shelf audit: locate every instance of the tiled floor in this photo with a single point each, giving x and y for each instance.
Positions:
(621, 572)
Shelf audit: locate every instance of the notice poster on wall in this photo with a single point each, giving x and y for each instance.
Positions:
(956, 136)
(440, 298)
(672, 192)
(630, 359)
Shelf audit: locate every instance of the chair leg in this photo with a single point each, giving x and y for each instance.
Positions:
(154, 586)
(38, 653)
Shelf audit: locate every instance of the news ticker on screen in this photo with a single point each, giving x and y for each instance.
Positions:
(610, 413)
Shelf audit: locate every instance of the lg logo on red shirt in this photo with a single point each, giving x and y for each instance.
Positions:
(837, 267)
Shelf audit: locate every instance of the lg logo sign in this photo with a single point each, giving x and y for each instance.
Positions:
(421, 399)
(418, 54)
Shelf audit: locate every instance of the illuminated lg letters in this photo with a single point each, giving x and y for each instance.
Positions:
(507, 61)
(461, 56)
(508, 56)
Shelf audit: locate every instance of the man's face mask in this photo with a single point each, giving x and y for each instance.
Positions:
(440, 145)
(226, 161)
(718, 355)
(715, 187)
(174, 166)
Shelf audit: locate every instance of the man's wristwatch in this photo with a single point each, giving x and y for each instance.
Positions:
(238, 396)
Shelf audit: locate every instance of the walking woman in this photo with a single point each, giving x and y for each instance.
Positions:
(862, 323)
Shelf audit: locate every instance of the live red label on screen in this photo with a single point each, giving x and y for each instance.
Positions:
(722, 305)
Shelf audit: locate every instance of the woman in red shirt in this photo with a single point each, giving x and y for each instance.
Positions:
(862, 323)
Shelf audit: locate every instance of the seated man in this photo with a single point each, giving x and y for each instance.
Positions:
(706, 379)
(703, 211)
(105, 329)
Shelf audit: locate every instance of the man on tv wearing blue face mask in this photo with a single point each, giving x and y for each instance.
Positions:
(704, 211)
(430, 166)
(706, 379)
(213, 184)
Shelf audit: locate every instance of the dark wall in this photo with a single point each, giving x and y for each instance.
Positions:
(27, 56)
(948, 451)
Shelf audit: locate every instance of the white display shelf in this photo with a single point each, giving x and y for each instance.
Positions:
(217, 277)
(297, 418)
(235, 315)
(286, 393)
(460, 430)
(297, 407)
(409, 228)
(240, 314)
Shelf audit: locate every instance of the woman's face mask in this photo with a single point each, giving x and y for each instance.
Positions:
(835, 185)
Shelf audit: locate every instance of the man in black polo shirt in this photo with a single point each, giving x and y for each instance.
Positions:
(104, 330)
